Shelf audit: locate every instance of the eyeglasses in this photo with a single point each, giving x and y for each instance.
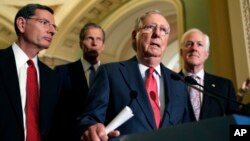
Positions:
(45, 23)
(150, 28)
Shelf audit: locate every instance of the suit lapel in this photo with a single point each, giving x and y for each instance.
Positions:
(206, 100)
(10, 78)
(48, 97)
(168, 105)
(78, 78)
(133, 79)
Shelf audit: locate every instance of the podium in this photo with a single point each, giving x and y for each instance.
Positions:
(214, 129)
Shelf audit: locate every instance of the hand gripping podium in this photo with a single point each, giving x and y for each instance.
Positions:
(214, 129)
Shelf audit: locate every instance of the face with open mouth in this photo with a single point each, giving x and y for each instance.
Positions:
(152, 39)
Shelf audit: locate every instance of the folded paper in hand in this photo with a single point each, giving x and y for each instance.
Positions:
(122, 117)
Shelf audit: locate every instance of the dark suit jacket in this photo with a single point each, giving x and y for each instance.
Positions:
(74, 89)
(114, 88)
(211, 107)
(11, 116)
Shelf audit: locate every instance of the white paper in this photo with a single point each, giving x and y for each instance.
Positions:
(122, 117)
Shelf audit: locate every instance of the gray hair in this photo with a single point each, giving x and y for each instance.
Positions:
(184, 36)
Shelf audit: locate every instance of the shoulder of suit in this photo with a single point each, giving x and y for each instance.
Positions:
(216, 77)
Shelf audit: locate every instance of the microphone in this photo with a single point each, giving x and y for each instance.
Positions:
(190, 82)
(177, 76)
(133, 95)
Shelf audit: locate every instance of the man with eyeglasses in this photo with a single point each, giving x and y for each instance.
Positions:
(29, 89)
(194, 52)
(76, 77)
(143, 83)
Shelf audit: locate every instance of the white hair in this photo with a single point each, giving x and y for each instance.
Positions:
(206, 38)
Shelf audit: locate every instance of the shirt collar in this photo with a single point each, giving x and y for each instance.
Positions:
(20, 57)
(200, 74)
(86, 64)
(144, 68)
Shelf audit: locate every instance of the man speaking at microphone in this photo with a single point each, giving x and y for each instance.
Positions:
(158, 100)
(194, 52)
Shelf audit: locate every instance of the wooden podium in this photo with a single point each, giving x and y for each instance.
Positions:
(214, 129)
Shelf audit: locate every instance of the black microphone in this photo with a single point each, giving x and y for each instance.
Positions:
(177, 76)
(133, 95)
(190, 82)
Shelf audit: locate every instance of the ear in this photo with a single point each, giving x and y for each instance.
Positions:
(21, 23)
(80, 44)
(133, 37)
(207, 54)
(181, 51)
(103, 47)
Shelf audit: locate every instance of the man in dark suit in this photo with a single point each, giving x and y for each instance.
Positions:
(123, 83)
(75, 79)
(195, 51)
(35, 28)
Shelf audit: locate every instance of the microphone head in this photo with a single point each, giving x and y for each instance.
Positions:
(133, 94)
(190, 80)
(176, 76)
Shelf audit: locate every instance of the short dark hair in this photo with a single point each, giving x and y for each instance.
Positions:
(88, 26)
(29, 10)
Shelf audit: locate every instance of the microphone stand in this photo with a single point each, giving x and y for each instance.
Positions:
(210, 95)
(191, 81)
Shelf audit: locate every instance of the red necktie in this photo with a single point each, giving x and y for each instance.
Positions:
(32, 104)
(152, 89)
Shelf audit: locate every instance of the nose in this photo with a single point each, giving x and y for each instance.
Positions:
(196, 45)
(94, 42)
(156, 32)
(52, 31)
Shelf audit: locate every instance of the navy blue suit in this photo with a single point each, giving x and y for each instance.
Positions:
(113, 89)
(73, 89)
(211, 106)
(11, 116)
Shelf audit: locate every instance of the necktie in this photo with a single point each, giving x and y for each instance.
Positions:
(91, 74)
(32, 104)
(195, 99)
(152, 89)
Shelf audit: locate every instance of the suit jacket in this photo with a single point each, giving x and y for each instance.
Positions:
(73, 89)
(11, 118)
(215, 107)
(116, 85)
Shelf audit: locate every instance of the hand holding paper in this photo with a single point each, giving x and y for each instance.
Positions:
(122, 117)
